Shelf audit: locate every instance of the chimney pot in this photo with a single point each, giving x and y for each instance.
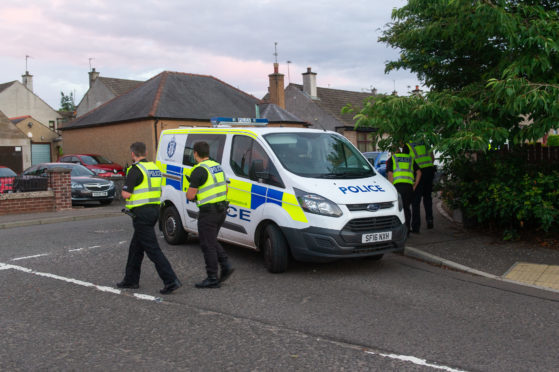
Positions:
(309, 83)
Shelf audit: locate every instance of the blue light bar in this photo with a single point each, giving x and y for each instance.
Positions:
(239, 121)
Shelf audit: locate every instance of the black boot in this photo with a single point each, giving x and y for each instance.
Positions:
(430, 224)
(226, 271)
(209, 282)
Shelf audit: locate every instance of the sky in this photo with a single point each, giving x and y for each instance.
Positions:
(233, 41)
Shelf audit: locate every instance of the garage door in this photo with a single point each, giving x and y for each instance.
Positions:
(40, 153)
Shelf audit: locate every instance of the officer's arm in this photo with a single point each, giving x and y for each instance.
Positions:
(417, 178)
(125, 194)
(390, 176)
(191, 193)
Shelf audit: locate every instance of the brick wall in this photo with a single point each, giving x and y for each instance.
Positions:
(57, 198)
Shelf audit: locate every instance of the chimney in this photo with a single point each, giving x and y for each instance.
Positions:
(27, 80)
(309, 83)
(93, 75)
(276, 89)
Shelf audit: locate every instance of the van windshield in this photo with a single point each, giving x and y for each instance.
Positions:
(319, 155)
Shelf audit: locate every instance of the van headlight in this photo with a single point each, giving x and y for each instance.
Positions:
(400, 202)
(314, 203)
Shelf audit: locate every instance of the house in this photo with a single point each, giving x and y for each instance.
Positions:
(103, 89)
(45, 142)
(15, 147)
(321, 107)
(17, 99)
(168, 100)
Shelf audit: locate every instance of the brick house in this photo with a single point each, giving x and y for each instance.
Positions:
(45, 142)
(103, 89)
(321, 107)
(168, 100)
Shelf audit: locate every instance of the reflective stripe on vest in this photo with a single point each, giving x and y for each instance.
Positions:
(422, 158)
(149, 191)
(214, 189)
(402, 168)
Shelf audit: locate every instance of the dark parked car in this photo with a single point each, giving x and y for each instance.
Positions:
(378, 159)
(6, 179)
(85, 185)
(96, 163)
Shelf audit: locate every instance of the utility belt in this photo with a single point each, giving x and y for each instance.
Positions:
(214, 207)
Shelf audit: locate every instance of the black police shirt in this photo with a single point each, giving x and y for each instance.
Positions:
(133, 178)
(198, 177)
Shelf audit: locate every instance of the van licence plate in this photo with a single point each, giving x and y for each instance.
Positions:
(99, 193)
(376, 237)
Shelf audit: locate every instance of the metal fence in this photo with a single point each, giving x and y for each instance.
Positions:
(23, 184)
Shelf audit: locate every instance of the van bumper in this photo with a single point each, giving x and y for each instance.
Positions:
(316, 244)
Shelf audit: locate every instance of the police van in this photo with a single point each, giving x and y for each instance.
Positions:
(293, 193)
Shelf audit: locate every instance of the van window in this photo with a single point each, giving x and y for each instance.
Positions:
(319, 155)
(249, 160)
(216, 142)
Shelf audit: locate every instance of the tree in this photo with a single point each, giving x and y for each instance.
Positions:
(491, 66)
(67, 102)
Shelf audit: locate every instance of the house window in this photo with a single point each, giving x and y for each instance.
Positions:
(364, 142)
(51, 124)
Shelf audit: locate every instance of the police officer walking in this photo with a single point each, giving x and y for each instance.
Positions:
(400, 170)
(208, 188)
(142, 191)
(424, 160)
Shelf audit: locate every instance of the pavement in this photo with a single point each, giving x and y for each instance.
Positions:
(448, 245)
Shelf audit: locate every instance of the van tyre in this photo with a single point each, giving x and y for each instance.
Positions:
(275, 250)
(172, 227)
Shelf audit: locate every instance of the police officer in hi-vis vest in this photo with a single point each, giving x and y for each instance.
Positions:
(400, 170)
(142, 191)
(208, 187)
(424, 159)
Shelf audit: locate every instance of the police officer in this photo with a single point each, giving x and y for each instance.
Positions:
(142, 191)
(404, 174)
(424, 160)
(208, 188)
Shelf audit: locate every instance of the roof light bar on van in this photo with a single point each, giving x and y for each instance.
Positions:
(226, 122)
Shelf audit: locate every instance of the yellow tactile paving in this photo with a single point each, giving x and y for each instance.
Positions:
(535, 274)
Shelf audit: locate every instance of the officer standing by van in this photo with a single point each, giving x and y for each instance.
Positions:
(142, 191)
(405, 175)
(424, 159)
(208, 187)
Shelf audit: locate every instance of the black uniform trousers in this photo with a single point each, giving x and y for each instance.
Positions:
(210, 220)
(423, 191)
(406, 191)
(144, 240)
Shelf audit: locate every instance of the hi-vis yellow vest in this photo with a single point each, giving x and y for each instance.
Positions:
(149, 191)
(420, 154)
(402, 168)
(214, 189)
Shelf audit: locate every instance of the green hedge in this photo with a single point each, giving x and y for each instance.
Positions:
(502, 191)
(553, 140)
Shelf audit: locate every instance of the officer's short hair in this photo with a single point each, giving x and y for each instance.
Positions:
(138, 148)
(202, 148)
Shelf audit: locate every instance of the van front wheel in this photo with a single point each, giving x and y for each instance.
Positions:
(172, 227)
(275, 250)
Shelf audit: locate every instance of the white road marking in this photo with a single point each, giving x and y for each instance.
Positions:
(26, 257)
(414, 360)
(75, 250)
(101, 288)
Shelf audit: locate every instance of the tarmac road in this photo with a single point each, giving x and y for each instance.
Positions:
(60, 310)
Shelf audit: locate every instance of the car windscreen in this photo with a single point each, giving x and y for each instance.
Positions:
(76, 170)
(319, 155)
(7, 172)
(101, 160)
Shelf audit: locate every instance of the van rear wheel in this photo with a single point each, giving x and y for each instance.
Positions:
(275, 250)
(172, 227)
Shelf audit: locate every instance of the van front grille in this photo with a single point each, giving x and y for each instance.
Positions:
(373, 223)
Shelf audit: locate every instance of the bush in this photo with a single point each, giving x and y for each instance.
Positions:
(502, 191)
(553, 140)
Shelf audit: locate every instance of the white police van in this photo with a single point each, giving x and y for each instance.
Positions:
(294, 193)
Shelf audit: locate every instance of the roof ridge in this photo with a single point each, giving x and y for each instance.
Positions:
(158, 93)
